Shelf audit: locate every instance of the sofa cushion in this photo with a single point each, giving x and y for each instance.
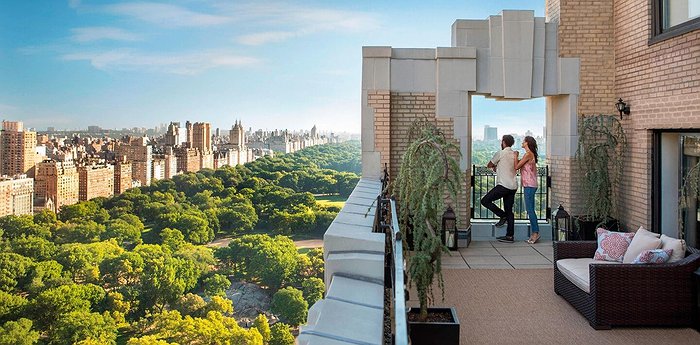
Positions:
(677, 245)
(640, 243)
(576, 271)
(654, 256)
(645, 232)
(612, 245)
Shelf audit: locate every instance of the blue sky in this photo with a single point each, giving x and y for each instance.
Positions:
(286, 64)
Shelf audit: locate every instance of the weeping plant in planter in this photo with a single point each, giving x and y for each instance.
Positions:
(690, 189)
(428, 173)
(601, 146)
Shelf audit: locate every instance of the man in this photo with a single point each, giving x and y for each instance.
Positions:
(503, 163)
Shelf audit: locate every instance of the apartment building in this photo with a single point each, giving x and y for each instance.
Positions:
(17, 149)
(122, 176)
(16, 195)
(140, 154)
(95, 181)
(56, 184)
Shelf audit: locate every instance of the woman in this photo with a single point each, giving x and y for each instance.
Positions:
(528, 174)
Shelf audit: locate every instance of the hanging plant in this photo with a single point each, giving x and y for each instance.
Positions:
(601, 146)
(429, 172)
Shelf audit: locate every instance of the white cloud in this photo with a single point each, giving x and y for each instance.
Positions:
(97, 33)
(265, 37)
(187, 63)
(298, 20)
(73, 3)
(165, 14)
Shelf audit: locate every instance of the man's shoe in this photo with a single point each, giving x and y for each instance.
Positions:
(505, 239)
(501, 222)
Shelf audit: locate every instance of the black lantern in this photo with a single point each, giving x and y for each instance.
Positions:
(622, 107)
(449, 229)
(562, 226)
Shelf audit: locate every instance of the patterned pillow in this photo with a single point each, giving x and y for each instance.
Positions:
(612, 245)
(653, 256)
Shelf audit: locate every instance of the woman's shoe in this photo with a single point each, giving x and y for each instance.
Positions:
(533, 238)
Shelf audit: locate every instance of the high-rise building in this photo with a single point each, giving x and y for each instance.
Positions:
(16, 195)
(122, 176)
(140, 154)
(201, 136)
(56, 184)
(17, 149)
(237, 135)
(172, 136)
(490, 133)
(158, 167)
(188, 159)
(188, 130)
(95, 181)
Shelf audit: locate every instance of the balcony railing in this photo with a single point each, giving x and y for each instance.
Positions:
(483, 179)
(386, 221)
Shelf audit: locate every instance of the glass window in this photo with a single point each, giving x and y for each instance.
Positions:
(679, 11)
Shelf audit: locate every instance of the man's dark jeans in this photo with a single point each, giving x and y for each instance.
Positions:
(508, 196)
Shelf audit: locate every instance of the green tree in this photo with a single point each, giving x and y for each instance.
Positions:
(220, 305)
(83, 211)
(280, 334)
(164, 277)
(18, 226)
(45, 275)
(45, 218)
(84, 232)
(18, 333)
(11, 306)
(13, 271)
(35, 247)
(216, 285)
(263, 326)
(271, 261)
(212, 329)
(147, 340)
(189, 304)
(125, 233)
(82, 325)
(289, 304)
(313, 289)
(52, 304)
(172, 238)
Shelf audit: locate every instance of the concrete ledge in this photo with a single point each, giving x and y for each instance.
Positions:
(365, 265)
(413, 53)
(376, 51)
(341, 321)
(355, 291)
(456, 53)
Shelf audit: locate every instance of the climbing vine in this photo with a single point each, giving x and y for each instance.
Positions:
(429, 172)
(601, 146)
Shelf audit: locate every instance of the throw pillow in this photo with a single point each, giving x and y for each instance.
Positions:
(677, 245)
(645, 232)
(640, 242)
(612, 245)
(653, 256)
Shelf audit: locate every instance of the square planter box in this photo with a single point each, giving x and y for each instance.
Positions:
(438, 333)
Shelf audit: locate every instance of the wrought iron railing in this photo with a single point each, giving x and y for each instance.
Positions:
(386, 221)
(483, 179)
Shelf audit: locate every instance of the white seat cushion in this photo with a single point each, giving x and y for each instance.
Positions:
(576, 271)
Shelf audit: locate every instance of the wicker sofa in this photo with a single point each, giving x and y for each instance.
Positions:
(629, 294)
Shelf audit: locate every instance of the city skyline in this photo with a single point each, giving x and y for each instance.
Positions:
(136, 64)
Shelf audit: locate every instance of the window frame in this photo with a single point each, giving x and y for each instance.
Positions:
(657, 34)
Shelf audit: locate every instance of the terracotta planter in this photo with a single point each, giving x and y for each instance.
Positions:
(438, 333)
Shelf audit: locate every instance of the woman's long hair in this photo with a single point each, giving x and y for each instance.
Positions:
(532, 145)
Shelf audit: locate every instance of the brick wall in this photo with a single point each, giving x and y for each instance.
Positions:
(661, 83)
(394, 113)
(586, 31)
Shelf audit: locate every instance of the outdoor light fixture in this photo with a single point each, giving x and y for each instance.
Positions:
(562, 225)
(449, 228)
(622, 107)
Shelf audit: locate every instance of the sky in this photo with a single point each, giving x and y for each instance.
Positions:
(286, 64)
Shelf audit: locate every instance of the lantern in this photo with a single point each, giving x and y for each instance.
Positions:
(449, 229)
(562, 225)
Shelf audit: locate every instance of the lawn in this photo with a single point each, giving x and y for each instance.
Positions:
(331, 200)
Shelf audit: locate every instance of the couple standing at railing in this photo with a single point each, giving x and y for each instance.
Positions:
(505, 163)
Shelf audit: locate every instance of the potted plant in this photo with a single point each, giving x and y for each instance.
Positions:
(428, 173)
(601, 146)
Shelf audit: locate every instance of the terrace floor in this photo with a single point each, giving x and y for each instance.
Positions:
(504, 294)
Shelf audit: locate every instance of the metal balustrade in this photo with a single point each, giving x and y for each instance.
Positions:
(483, 179)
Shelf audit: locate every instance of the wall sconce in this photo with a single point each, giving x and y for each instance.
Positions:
(622, 107)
